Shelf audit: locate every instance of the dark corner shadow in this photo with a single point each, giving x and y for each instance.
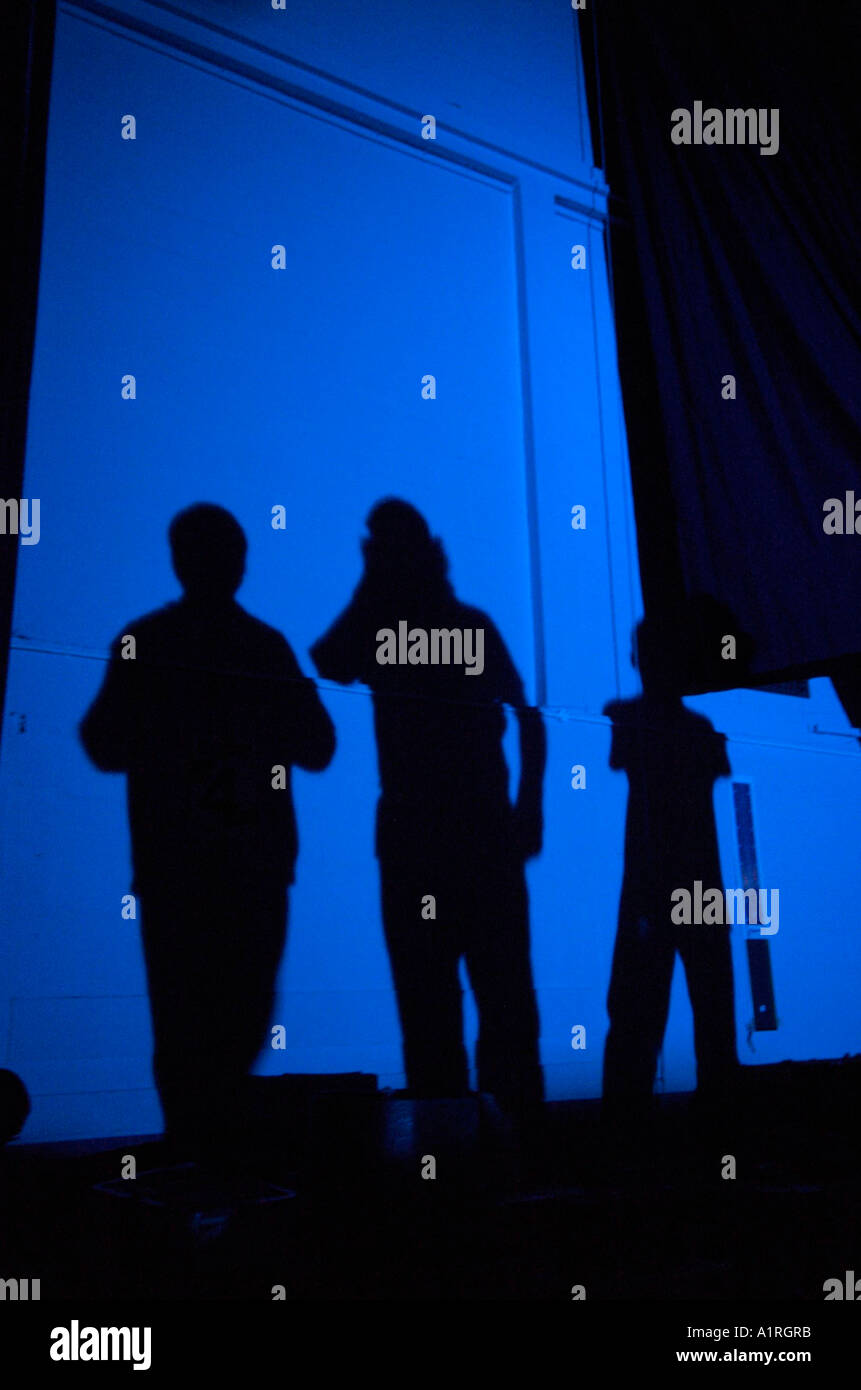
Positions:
(672, 758)
(451, 846)
(201, 705)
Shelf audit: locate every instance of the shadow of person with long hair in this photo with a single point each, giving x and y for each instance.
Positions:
(451, 846)
(672, 758)
(205, 709)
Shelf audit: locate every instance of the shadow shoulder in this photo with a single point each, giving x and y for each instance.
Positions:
(469, 616)
(265, 631)
(624, 711)
(263, 634)
(697, 723)
(466, 615)
(158, 620)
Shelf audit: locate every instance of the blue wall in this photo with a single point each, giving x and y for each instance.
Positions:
(301, 387)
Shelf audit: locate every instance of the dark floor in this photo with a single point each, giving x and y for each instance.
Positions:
(335, 1207)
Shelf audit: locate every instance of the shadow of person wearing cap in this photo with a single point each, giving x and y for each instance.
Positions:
(450, 844)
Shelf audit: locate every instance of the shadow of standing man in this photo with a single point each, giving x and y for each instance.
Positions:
(205, 709)
(451, 846)
(672, 758)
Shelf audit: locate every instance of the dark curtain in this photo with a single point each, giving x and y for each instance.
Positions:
(731, 262)
(26, 44)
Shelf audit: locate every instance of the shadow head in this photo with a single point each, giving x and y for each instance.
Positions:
(208, 549)
(400, 547)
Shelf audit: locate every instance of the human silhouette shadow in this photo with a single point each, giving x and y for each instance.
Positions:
(451, 846)
(672, 758)
(199, 709)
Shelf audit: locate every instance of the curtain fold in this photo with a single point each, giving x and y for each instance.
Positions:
(26, 47)
(729, 262)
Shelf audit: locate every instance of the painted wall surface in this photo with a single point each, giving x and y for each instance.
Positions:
(302, 387)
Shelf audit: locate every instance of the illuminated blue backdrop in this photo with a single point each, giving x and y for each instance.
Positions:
(302, 387)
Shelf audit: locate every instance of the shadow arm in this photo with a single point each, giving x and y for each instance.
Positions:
(106, 729)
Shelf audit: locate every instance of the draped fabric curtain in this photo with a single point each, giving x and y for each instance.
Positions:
(26, 43)
(739, 261)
